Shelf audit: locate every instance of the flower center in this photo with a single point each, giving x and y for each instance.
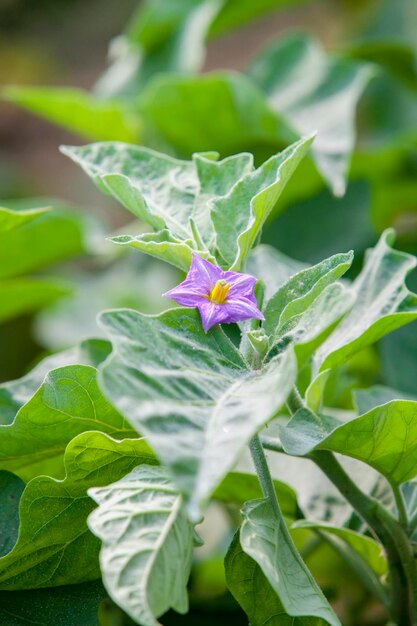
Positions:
(219, 292)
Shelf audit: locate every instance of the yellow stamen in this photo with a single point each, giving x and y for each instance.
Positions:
(219, 292)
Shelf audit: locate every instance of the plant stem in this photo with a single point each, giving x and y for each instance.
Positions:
(295, 401)
(403, 573)
(400, 504)
(269, 443)
(264, 475)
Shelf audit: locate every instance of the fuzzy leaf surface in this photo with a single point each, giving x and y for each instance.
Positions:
(190, 393)
(267, 541)
(214, 208)
(251, 589)
(382, 304)
(147, 543)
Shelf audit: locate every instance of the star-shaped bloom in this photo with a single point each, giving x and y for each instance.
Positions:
(221, 297)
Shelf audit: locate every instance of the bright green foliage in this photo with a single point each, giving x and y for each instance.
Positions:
(54, 546)
(254, 593)
(315, 93)
(190, 393)
(147, 543)
(366, 547)
(9, 219)
(220, 219)
(244, 119)
(367, 438)
(26, 295)
(38, 242)
(78, 111)
(31, 238)
(14, 394)
(267, 541)
(67, 404)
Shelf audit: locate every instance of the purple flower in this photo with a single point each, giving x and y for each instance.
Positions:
(221, 297)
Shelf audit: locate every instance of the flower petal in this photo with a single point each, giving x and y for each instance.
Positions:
(204, 273)
(241, 285)
(241, 309)
(186, 294)
(212, 314)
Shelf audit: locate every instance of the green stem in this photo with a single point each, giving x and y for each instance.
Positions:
(269, 443)
(403, 573)
(400, 504)
(295, 401)
(264, 475)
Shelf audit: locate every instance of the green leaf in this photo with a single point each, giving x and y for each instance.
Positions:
(26, 295)
(382, 304)
(236, 13)
(14, 394)
(315, 93)
(162, 245)
(256, 196)
(54, 546)
(67, 404)
(255, 595)
(239, 487)
(51, 237)
(367, 399)
(9, 219)
(367, 548)
(308, 330)
(267, 541)
(147, 543)
(11, 488)
(300, 291)
(161, 38)
(74, 605)
(78, 111)
(243, 119)
(272, 267)
(367, 438)
(194, 200)
(190, 393)
(155, 187)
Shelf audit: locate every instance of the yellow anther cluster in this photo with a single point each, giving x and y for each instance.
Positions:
(219, 292)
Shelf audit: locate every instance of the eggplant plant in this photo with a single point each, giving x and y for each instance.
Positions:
(117, 448)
